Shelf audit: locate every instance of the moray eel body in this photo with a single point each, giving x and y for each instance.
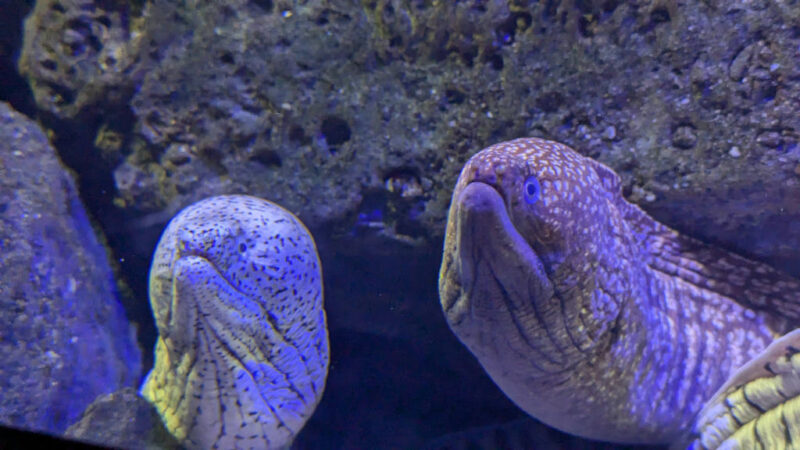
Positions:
(758, 407)
(590, 315)
(242, 353)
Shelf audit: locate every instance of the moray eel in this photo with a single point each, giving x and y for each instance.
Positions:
(590, 315)
(242, 352)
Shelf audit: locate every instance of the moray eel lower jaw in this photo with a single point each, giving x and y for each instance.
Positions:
(482, 217)
(189, 263)
(181, 316)
(493, 287)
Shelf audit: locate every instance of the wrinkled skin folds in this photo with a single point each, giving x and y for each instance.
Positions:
(590, 315)
(242, 353)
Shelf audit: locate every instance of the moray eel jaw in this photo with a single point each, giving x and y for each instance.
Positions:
(497, 296)
(508, 273)
(481, 293)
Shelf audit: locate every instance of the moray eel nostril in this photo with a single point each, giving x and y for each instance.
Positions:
(242, 354)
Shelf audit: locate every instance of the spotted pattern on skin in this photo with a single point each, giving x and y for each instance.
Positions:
(590, 315)
(242, 353)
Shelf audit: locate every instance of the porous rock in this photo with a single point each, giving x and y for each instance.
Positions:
(302, 101)
(78, 55)
(331, 100)
(123, 419)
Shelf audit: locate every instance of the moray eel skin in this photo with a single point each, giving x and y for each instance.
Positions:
(759, 406)
(588, 314)
(242, 353)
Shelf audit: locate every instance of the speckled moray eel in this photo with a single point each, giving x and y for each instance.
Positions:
(242, 352)
(590, 315)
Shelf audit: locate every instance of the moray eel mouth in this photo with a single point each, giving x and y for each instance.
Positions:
(184, 312)
(496, 294)
(192, 281)
(488, 243)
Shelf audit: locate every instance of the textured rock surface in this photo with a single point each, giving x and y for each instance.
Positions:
(63, 333)
(377, 104)
(122, 419)
(77, 54)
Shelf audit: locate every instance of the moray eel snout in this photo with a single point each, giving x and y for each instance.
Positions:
(242, 354)
(500, 282)
(487, 239)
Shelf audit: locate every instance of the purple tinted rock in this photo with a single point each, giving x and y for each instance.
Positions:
(312, 104)
(123, 419)
(64, 338)
(78, 54)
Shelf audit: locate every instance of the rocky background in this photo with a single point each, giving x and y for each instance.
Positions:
(64, 338)
(358, 115)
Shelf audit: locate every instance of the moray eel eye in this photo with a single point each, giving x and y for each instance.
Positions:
(532, 189)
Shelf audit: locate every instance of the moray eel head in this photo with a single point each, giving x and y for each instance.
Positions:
(201, 245)
(596, 319)
(530, 223)
(228, 240)
(242, 353)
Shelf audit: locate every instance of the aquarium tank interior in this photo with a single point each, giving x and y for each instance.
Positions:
(400, 224)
